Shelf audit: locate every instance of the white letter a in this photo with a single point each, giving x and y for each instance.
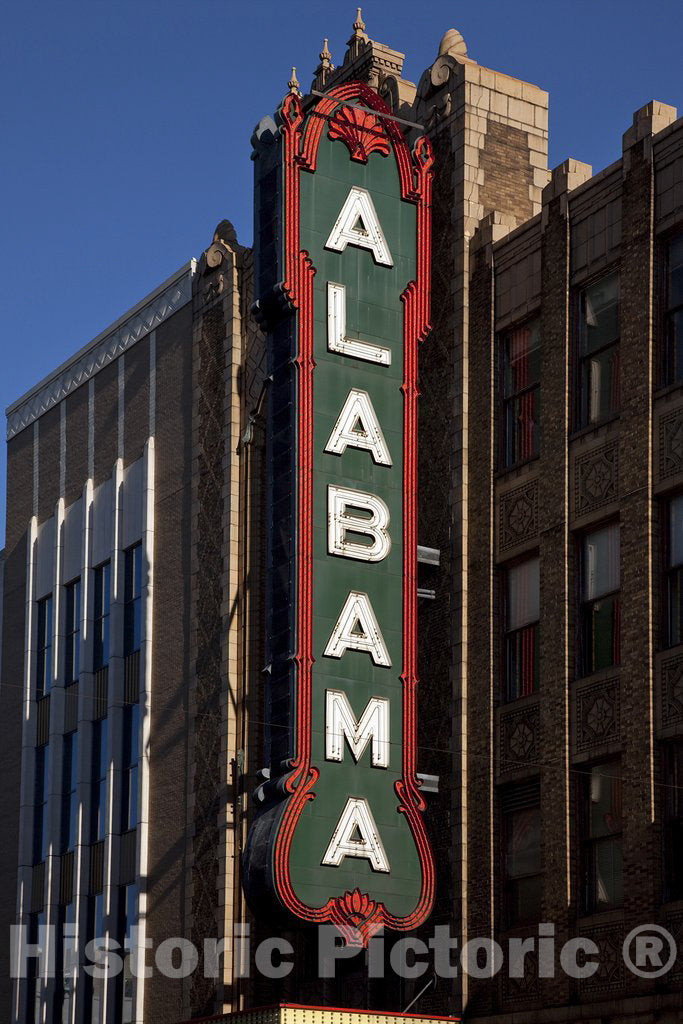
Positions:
(356, 835)
(357, 629)
(358, 224)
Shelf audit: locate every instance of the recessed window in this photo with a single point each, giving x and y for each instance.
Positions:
(601, 839)
(673, 818)
(600, 612)
(72, 640)
(599, 351)
(40, 805)
(44, 655)
(37, 935)
(132, 600)
(67, 963)
(674, 571)
(523, 880)
(129, 795)
(128, 919)
(673, 317)
(98, 821)
(102, 581)
(521, 393)
(69, 792)
(521, 629)
(96, 934)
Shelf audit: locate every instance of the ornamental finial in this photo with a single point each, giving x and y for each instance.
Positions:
(293, 84)
(324, 68)
(326, 56)
(359, 24)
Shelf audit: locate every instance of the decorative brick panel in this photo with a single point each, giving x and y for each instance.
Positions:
(609, 977)
(598, 714)
(518, 519)
(596, 478)
(674, 925)
(671, 683)
(519, 738)
(521, 990)
(671, 444)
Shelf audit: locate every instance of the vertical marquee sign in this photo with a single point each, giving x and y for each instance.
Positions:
(342, 274)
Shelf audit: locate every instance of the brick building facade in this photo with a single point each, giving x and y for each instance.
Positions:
(550, 624)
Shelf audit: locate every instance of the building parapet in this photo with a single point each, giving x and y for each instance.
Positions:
(135, 324)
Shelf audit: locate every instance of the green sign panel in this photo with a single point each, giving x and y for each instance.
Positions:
(343, 246)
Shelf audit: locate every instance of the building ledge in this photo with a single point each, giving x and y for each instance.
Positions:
(294, 1013)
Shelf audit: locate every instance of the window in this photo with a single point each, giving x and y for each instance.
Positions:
(600, 609)
(674, 571)
(128, 920)
(673, 821)
(599, 351)
(69, 792)
(96, 934)
(601, 841)
(521, 393)
(40, 805)
(129, 795)
(101, 623)
(67, 964)
(673, 318)
(37, 935)
(132, 600)
(99, 780)
(72, 645)
(523, 880)
(44, 661)
(521, 629)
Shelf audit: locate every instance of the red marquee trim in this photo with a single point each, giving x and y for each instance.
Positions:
(355, 914)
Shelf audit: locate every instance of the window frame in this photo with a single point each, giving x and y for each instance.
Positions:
(132, 599)
(581, 418)
(585, 607)
(668, 572)
(667, 312)
(588, 844)
(101, 615)
(72, 636)
(672, 818)
(130, 766)
(99, 780)
(40, 806)
(509, 634)
(128, 897)
(529, 801)
(505, 399)
(69, 821)
(44, 647)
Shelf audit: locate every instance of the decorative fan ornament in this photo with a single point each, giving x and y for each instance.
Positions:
(361, 131)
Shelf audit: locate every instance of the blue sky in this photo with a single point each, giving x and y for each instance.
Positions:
(126, 128)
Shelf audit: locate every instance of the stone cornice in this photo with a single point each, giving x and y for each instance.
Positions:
(144, 317)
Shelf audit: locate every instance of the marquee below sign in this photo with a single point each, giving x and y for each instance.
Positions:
(342, 268)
